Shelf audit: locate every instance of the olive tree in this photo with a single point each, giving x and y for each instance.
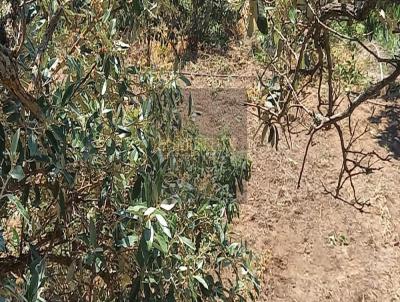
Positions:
(104, 194)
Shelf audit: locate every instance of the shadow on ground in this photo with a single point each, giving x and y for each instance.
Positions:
(390, 118)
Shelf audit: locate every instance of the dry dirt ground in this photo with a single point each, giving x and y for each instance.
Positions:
(310, 247)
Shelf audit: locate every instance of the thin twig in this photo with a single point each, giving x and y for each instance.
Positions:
(305, 158)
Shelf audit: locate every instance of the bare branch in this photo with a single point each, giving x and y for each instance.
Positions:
(305, 158)
(369, 93)
(21, 32)
(304, 51)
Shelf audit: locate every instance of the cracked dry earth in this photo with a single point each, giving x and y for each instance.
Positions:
(309, 246)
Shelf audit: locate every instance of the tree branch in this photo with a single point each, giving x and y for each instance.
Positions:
(43, 45)
(369, 93)
(9, 78)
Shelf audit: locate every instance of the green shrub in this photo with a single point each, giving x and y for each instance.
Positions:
(105, 196)
(210, 23)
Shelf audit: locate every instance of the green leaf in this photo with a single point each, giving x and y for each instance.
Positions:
(138, 6)
(113, 24)
(132, 70)
(292, 15)
(136, 209)
(161, 244)
(121, 45)
(185, 80)
(262, 22)
(161, 220)
(149, 211)
(53, 141)
(104, 88)
(166, 205)
(128, 241)
(164, 225)
(32, 145)
(21, 209)
(69, 91)
(36, 279)
(14, 144)
(110, 147)
(69, 178)
(17, 173)
(2, 243)
(187, 242)
(106, 15)
(201, 281)
(149, 236)
(15, 237)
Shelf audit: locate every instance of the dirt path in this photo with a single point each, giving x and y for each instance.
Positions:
(315, 248)
(310, 247)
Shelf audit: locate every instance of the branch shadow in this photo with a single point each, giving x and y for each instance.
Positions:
(389, 138)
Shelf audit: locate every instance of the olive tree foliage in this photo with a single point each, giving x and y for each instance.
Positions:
(104, 195)
(185, 25)
(301, 36)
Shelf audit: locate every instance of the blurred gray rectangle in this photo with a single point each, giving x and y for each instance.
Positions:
(218, 111)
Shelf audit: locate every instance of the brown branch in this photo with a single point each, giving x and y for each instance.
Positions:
(305, 159)
(19, 264)
(354, 39)
(44, 44)
(337, 10)
(22, 31)
(9, 78)
(369, 93)
(327, 48)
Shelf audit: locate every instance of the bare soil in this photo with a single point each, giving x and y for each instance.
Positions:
(309, 246)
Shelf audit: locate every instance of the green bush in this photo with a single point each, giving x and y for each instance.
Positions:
(105, 196)
(210, 23)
